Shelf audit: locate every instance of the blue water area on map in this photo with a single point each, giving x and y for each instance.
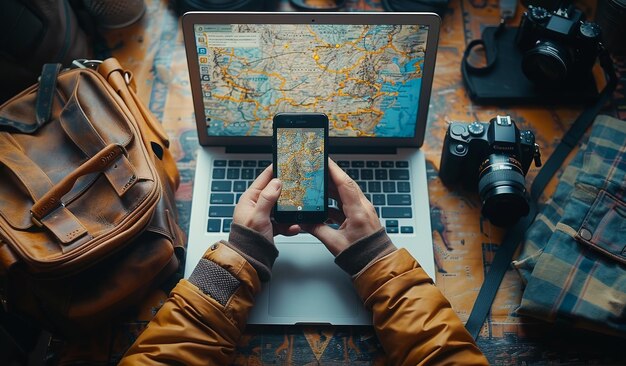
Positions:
(400, 118)
(314, 198)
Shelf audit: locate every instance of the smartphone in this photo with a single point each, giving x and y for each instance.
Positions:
(301, 163)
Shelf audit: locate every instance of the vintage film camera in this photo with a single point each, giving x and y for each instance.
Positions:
(557, 45)
(494, 157)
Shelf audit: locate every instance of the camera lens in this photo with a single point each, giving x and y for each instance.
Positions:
(501, 189)
(547, 62)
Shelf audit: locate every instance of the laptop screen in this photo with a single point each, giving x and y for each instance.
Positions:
(367, 78)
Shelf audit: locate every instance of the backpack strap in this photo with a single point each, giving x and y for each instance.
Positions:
(45, 93)
(152, 131)
(63, 224)
(84, 134)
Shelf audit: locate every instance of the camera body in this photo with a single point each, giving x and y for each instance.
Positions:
(493, 157)
(557, 45)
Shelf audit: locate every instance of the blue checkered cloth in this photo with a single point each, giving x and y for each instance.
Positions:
(573, 258)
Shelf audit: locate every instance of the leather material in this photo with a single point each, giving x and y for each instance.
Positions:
(87, 211)
(414, 322)
(45, 96)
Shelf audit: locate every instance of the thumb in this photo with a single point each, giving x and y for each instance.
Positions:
(268, 197)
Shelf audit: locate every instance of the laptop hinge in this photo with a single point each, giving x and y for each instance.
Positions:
(255, 149)
(375, 150)
(263, 149)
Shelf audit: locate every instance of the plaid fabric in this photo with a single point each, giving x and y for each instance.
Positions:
(573, 260)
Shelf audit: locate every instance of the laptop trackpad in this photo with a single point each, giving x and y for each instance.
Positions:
(306, 283)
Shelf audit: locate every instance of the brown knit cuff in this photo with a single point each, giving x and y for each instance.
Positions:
(365, 251)
(255, 248)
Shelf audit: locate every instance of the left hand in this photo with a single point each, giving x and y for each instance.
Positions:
(255, 207)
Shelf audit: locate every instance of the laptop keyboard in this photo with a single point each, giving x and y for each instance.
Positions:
(384, 182)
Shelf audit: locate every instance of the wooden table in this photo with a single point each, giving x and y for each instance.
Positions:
(464, 243)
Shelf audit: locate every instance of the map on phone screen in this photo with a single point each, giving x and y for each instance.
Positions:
(300, 160)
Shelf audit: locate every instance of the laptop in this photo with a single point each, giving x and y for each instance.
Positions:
(371, 74)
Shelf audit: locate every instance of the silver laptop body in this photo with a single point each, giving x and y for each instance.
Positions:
(371, 73)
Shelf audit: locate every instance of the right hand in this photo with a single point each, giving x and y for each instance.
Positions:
(357, 217)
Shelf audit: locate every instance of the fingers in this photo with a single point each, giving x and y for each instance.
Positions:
(349, 192)
(259, 183)
(268, 197)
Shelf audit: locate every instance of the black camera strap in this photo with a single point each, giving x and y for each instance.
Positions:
(506, 250)
(491, 51)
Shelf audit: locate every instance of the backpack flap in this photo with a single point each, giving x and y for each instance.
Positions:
(82, 179)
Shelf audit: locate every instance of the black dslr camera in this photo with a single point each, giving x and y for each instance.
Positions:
(494, 157)
(558, 45)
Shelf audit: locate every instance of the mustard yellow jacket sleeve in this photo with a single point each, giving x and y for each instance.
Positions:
(192, 328)
(414, 322)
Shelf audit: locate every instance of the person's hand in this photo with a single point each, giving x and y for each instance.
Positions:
(356, 216)
(255, 207)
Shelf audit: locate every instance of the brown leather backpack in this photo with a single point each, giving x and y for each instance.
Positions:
(88, 219)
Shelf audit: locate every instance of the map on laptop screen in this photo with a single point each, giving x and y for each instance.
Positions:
(366, 78)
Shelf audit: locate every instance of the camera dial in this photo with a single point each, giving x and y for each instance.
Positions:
(476, 129)
(538, 14)
(590, 31)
